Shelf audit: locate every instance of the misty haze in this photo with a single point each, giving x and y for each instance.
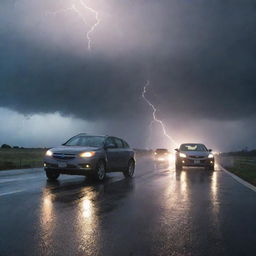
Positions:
(198, 56)
(127, 127)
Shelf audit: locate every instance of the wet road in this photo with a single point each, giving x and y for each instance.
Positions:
(159, 212)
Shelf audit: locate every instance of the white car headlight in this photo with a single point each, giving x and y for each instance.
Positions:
(210, 156)
(183, 155)
(87, 154)
(48, 153)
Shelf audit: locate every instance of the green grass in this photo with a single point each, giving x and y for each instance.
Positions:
(21, 158)
(245, 168)
(30, 158)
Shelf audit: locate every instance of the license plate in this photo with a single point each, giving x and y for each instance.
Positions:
(62, 165)
(196, 161)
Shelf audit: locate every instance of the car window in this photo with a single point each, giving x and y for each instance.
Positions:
(86, 141)
(162, 151)
(92, 141)
(110, 141)
(119, 143)
(193, 147)
(126, 145)
(73, 142)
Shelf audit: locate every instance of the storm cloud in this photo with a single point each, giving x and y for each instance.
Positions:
(198, 55)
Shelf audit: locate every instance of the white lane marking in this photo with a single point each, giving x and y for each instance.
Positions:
(243, 182)
(11, 192)
(19, 179)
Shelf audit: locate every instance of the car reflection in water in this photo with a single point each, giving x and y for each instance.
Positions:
(47, 220)
(76, 207)
(188, 180)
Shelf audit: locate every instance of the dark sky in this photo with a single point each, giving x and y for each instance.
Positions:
(198, 55)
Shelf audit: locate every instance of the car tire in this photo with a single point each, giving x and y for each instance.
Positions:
(129, 172)
(100, 171)
(178, 167)
(211, 168)
(52, 175)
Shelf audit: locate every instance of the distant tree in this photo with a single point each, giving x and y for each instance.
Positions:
(16, 147)
(6, 146)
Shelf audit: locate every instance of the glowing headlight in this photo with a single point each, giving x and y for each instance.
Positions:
(87, 154)
(210, 156)
(48, 153)
(183, 155)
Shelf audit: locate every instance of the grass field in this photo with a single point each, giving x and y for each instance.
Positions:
(21, 158)
(244, 167)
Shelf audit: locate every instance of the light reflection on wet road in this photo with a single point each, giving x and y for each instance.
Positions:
(159, 212)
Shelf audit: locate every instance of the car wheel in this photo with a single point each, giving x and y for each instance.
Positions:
(129, 172)
(211, 168)
(100, 171)
(178, 167)
(52, 175)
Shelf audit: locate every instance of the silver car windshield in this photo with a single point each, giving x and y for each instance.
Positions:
(86, 141)
(193, 147)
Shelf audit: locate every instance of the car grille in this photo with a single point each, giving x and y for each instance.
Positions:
(63, 156)
(71, 166)
(189, 161)
(197, 157)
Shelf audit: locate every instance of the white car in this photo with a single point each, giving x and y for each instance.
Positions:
(194, 154)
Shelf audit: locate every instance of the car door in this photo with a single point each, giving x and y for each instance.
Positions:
(127, 153)
(122, 154)
(112, 154)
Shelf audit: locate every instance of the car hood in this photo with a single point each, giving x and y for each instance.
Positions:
(196, 153)
(72, 149)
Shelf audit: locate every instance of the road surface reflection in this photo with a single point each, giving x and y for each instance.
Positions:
(47, 221)
(87, 222)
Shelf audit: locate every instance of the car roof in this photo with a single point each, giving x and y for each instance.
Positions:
(88, 134)
(192, 143)
(98, 135)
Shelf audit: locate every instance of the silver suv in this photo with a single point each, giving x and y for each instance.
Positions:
(91, 156)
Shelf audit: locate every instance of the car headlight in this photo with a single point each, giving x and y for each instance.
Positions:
(48, 153)
(87, 154)
(210, 156)
(183, 155)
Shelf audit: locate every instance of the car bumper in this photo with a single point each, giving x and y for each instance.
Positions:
(74, 166)
(197, 162)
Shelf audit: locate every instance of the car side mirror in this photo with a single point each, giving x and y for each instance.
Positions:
(210, 150)
(177, 150)
(110, 146)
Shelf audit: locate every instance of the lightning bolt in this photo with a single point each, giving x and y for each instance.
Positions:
(93, 27)
(75, 8)
(155, 119)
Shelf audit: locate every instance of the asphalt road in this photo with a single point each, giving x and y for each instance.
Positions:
(158, 212)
